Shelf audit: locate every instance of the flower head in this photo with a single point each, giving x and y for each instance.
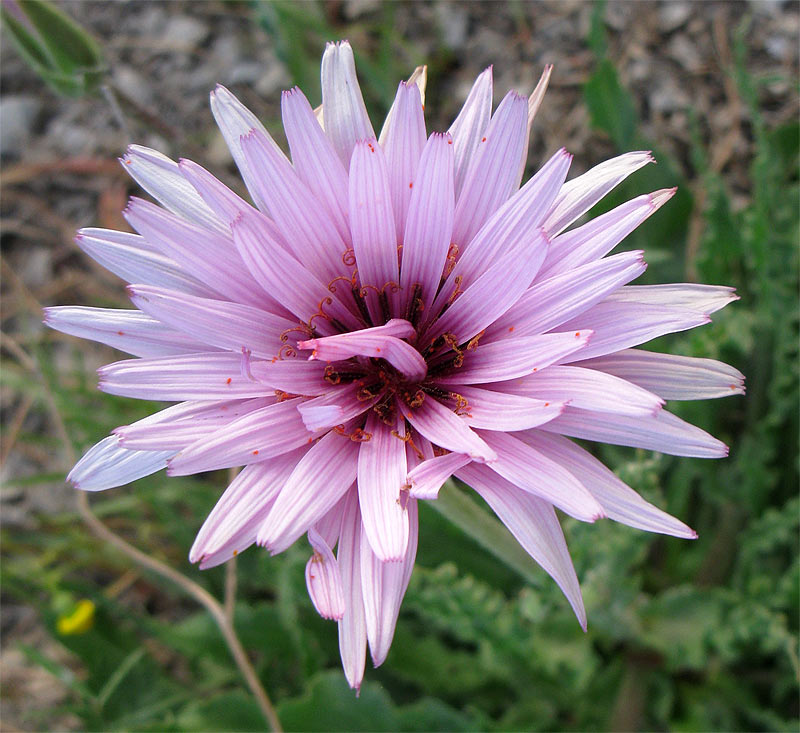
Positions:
(392, 311)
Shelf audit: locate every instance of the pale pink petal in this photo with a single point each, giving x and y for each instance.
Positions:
(403, 139)
(622, 503)
(176, 427)
(373, 228)
(534, 472)
(662, 432)
(515, 222)
(505, 410)
(444, 428)
(233, 523)
(692, 296)
(352, 627)
(292, 376)
(470, 125)
(383, 585)
(214, 322)
(551, 302)
(127, 330)
(598, 237)
(429, 476)
(334, 408)
(429, 226)
(381, 476)
(514, 357)
(330, 523)
(315, 159)
(588, 389)
(670, 376)
(234, 121)
(494, 171)
(323, 579)
(580, 194)
(108, 464)
(204, 376)
(318, 481)
(257, 436)
(619, 325)
(208, 256)
(346, 118)
(534, 524)
(131, 258)
(305, 225)
(496, 290)
(161, 178)
(284, 278)
(378, 342)
(537, 95)
(419, 79)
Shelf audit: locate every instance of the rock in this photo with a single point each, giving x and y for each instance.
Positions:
(673, 15)
(184, 32)
(18, 115)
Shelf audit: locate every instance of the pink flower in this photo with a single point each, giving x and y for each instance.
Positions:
(393, 311)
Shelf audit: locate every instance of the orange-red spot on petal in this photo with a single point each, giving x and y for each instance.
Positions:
(255, 452)
(510, 329)
(411, 184)
(547, 404)
(483, 139)
(121, 333)
(228, 380)
(577, 333)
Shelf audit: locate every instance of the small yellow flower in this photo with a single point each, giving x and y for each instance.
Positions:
(79, 621)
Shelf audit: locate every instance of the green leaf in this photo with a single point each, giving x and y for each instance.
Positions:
(611, 107)
(59, 50)
(486, 530)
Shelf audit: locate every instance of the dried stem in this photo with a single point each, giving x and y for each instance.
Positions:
(200, 594)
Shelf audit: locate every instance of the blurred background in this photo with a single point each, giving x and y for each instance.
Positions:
(684, 636)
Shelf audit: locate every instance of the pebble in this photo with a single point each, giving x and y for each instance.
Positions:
(184, 32)
(18, 115)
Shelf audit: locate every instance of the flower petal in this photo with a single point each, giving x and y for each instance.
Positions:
(662, 432)
(203, 376)
(323, 579)
(214, 322)
(403, 139)
(107, 464)
(372, 225)
(131, 258)
(514, 357)
(580, 194)
(161, 178)
(468, 128)
(381, 475)
(346, 118)
(506, 410)
(551, 302)
(533, 471)
(620, 501)
(234, 121)
(305, 225)
(127, 330)
(383, 585)
(672, 377)
(429, 476)
(315, 159)
(208, 256)
(429, 226)
(252, 438)
(318, 481)
(588, 389)
(336, 407)
(443, 427)
(619, 325)
(600, 235)
(233, 523)
(380, 342)
(692, 296)
(352, 627)
(534, 524)
(494, 172)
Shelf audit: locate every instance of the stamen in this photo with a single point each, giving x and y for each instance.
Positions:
(473, 342)
(246, 373)
(450, 262)
(283, 396)
(287, 351)
(349, 257)
(458, 279)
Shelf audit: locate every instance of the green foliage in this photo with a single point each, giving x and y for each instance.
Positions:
(66, 57)
(682, 636)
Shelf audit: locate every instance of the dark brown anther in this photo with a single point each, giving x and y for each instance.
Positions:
(349, 257)
(458, 280)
